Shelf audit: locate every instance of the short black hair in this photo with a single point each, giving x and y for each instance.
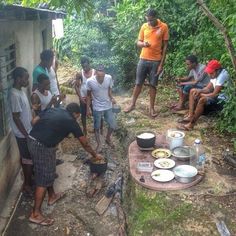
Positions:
(73, 108)
(192, 59)
(46, 55)
(18, 72)
(100, 68)
(42, 77)
(84, 60)
(151, 12)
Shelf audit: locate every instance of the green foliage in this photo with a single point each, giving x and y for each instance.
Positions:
(152, 214)
(227, 121)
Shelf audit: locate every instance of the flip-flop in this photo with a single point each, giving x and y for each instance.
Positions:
(178, 109)
(43, 222)
(131, 108)
(183, 127)
(59, 197)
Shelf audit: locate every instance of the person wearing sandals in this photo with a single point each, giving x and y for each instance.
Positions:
(50, 127)
(21, 123)
(99, 94)
(211, 94)
(197, 78)
(153, 40)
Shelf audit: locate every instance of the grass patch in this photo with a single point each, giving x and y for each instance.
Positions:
(150, 215)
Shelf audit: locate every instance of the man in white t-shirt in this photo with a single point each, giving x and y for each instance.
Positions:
(197, 78)
(99, 91)
(21, 122)
(211, 94)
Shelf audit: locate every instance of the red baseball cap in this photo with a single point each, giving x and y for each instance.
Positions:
(212, 66)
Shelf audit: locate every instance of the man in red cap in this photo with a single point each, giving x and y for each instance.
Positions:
(211, 94)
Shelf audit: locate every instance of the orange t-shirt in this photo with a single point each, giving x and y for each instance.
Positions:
(155, 36)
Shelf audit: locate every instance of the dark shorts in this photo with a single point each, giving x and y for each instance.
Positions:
(186, 88)
(44, 161)
(24, 151)
(147, 69)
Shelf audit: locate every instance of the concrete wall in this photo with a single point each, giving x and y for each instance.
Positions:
(28, 38)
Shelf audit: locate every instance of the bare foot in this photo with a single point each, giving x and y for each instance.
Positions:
(153, 113)
(129, 109)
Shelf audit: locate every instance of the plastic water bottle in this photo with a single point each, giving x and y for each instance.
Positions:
(200, 155)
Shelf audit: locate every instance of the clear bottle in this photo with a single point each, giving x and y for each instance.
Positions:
(200, 155)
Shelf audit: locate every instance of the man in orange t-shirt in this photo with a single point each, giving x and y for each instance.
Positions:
(153, 39)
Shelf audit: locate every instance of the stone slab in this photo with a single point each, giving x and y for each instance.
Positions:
(135, 155)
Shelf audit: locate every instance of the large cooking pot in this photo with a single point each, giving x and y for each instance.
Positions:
(98, 167)
(183, 153)
(146, 139)
(185, 173)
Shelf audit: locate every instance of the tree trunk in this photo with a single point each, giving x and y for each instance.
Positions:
(222, 29)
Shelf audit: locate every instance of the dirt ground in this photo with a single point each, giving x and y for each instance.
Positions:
(194, 211)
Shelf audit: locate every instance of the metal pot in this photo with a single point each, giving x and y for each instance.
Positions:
(146, 139)
(98, 168)
(183, 153)
(185, 173)
(116, 108)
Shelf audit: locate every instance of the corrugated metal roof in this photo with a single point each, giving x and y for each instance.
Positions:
(17, 12)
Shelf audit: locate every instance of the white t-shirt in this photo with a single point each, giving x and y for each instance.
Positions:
(20, 103)
(83, 86)
(44, 99)
(53, 82)
(221, 80)
(100, 98)
(199, 75)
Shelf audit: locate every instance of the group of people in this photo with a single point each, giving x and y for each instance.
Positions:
(41, 124)
(203, 86)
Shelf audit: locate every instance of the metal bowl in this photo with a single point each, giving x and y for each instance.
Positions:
(116, 108)
(183, 153)
(185, 173)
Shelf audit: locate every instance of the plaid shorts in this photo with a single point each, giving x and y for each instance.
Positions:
(44, 161)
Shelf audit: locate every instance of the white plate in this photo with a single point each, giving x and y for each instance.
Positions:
(164, 163)
(162, 175)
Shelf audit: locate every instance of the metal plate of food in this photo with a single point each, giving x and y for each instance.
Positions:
(161, 153)
(162, 175)
(164, 163)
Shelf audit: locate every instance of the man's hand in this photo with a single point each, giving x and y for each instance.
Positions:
(146, 44)
(113, 101)
(53, 100)
(83, 100)
(159, 70)
(196, 93)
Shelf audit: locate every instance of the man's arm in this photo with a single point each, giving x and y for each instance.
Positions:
(215, 92)
(18, 123)
(164, 50)
(142, 44)
(35, 101)
(110, 96)
(88, 102)
(84, 142)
